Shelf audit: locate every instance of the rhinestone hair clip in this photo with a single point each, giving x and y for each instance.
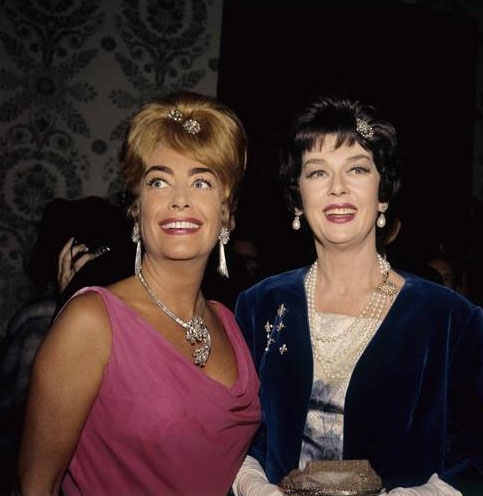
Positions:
(364, 129)
(191, 126)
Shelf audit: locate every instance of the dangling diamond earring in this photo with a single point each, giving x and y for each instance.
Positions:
(296, 220)
(136, 238)
(223, 239)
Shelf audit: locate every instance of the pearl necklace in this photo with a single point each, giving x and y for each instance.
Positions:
(337, 354)
(196, 330)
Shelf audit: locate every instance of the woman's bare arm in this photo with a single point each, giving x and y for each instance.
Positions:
(66, 376)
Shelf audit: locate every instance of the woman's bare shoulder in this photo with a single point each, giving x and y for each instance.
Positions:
(87, 307)
(82, 325)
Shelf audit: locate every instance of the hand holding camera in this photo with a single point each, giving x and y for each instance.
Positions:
(73, 256)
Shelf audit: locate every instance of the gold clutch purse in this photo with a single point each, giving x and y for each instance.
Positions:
(333, 478)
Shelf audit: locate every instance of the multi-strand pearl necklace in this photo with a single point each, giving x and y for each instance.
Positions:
(337, 354)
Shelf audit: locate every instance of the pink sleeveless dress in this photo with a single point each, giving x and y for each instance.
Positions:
(159, 426)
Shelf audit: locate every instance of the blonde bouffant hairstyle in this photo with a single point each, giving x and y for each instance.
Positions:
(220, 143)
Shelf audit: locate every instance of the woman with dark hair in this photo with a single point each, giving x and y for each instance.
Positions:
(356, 360)
(144, 387)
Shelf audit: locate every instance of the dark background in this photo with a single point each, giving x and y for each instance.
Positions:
(413, 63)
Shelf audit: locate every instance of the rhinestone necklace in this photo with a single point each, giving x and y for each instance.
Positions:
(196, 330)
(337, 353)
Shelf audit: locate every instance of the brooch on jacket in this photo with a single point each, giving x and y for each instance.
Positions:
(273, 331)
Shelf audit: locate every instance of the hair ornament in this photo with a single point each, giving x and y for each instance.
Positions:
(175, 115)
(191, 126)
(364, 129)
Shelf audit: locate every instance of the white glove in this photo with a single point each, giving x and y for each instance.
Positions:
(434, 487)
(252, 481)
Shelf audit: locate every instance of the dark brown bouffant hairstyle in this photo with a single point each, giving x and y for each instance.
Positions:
(339, 116)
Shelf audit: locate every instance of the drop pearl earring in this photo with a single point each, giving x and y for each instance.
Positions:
(296, 220)
(381, 220)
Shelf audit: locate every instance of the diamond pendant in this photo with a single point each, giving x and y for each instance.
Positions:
(197, 332)
(200, 355)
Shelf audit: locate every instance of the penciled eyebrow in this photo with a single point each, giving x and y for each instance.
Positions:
(168, 170)
(321, 161)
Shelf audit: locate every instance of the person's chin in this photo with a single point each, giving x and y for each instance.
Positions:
(186, 255)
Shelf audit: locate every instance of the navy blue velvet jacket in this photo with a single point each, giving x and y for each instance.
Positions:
(414, 404)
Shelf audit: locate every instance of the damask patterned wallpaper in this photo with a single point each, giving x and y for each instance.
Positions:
(72, 73)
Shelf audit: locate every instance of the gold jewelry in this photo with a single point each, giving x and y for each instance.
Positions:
(337, 354)
(196, 330)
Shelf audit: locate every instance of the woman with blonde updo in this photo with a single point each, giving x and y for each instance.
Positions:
(144, 387)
